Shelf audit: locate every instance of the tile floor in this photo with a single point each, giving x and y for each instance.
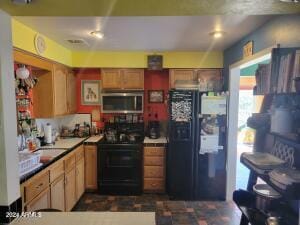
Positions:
(167, 212)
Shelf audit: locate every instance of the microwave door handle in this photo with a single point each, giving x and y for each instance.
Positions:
(135, 103)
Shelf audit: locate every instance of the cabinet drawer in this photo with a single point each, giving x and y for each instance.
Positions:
(56, 170)
(36, 185)
(69, 162)
(154, 151)
(154, 184)
(153, 172)
(153, 161)
(79, 152)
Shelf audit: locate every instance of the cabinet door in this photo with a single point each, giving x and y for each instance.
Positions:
(58, 194)
(60, 90)
(181, 74)
(133, 78)
(71, 92)
(111, 79)
(210, 79)
(42, 201)
(70, 189)
(90, 167)
(80, 187)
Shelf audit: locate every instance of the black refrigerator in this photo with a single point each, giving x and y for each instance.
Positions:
(187, 170)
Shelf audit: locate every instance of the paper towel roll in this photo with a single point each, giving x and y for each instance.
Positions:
(48, 133)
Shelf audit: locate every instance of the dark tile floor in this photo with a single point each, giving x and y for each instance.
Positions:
(167, 212)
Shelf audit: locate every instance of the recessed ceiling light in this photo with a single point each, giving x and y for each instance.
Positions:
(217, 34)
(97, 34)
(290, 1)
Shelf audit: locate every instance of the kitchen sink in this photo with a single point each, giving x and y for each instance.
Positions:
(49, 154)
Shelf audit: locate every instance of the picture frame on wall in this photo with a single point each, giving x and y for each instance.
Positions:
(156, 96)
(90, 92)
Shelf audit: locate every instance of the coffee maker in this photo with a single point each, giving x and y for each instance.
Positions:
(153, 129)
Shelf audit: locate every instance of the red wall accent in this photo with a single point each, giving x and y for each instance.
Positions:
(85, 74)
(154, 80)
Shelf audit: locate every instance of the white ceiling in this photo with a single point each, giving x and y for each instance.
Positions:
(168, 33)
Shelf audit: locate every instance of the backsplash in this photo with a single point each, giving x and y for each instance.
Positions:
(68, 121)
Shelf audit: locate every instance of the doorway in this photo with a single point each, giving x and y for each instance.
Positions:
(248, 104)
(234, 116)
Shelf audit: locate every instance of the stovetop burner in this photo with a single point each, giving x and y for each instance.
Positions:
(132, 133)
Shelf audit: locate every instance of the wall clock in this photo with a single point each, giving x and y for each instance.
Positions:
(40, 44)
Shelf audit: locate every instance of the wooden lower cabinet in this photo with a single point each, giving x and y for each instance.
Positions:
(90, 156)
(58, 186)
(154, 169)
(41, 201)
(58, 194)
(80, 187)
(70, 189)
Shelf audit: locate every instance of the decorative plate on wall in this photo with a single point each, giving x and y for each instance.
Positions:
(40, 44)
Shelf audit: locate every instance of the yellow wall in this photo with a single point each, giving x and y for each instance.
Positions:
(139, 59)
(23, 38)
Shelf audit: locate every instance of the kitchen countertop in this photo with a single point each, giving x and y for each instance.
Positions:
(68, 144)
(94, 139)
(89, 218)
(65, 143)
(161, 140)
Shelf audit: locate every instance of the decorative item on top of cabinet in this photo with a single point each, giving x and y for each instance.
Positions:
(90, 167)
(118, 79)
(154, 169)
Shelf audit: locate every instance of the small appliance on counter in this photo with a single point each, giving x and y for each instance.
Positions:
(153, 129)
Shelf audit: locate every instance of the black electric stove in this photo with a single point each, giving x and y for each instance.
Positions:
(120, 159)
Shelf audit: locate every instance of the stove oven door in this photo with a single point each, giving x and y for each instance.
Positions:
(120, 169)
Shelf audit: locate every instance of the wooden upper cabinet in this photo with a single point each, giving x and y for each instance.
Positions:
(133, 79)
(71, 92)
(60, 74)
(42, 95)
(181, 74)
(123, 79)
(111, 78)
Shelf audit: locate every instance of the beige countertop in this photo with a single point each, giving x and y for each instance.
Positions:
(89, 218)
(161, 140)
(94, 139)
(65, 143)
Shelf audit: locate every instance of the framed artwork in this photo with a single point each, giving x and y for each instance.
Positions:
(90, 92)
(156, 96)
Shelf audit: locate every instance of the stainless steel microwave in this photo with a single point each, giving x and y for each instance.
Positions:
(122, 102)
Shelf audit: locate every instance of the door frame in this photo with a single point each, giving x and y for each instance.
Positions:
(233, 110)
